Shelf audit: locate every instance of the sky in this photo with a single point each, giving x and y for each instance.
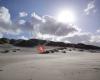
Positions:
(43, 19)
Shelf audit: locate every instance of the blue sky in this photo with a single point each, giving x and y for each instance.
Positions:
(86, 12)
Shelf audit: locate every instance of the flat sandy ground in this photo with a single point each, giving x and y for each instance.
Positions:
(27, 65)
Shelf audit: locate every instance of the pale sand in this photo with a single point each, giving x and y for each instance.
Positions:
(73, 65)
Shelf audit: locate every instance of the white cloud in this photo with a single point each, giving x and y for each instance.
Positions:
(21, 22)
(1, 35)
(6, 25)
(23, 14)
(34, 15)
(35, 19)
(87, 38)
(23, 37)
(46, 27)
(90, 7)
(78, 38)
(98, 31)
(4, 15)
(95, 38)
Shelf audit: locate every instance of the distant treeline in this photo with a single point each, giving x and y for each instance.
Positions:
(35, 42)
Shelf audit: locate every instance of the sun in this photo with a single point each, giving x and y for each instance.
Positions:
(66, 16)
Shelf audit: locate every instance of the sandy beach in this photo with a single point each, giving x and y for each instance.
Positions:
(73, 65)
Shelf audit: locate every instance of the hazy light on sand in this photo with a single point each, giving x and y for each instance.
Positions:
(66, 16)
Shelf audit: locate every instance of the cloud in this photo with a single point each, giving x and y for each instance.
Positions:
(23, 14)
(86, 38)
(78, 38)
(98, 31)
(23, 37)
(46, 27)
(51, 27)
(34, 15)
(95, 38)
(35, 19)
(90, 7)
(4, 15)
(28, 25)
(1, 35)
(6, 25)
(21, 22)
